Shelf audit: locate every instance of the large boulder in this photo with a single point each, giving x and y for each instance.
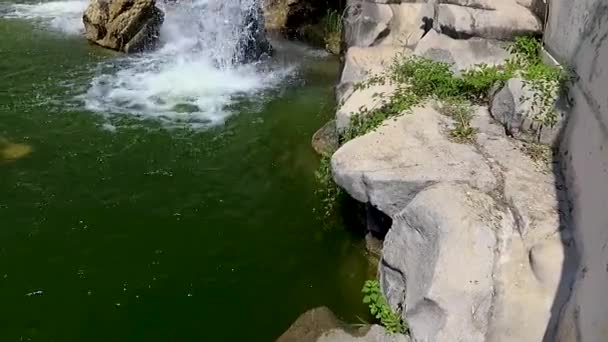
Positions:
(410, 21)
(513, 107)
(495, 20)
(389, 166)
(486, 205)
(369, 23)
(444, 227)
(123, 25)
(461, 54)
(365, 22)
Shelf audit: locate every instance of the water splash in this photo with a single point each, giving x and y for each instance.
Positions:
(61, 16)
(193, 78)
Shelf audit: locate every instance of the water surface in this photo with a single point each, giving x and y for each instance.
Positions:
(159, 221)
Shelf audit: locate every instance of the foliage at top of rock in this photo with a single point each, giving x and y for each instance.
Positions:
(417, 79)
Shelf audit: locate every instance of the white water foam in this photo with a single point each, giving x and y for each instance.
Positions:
(62, 16)
(192, 78)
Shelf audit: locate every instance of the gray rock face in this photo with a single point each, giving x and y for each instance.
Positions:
(477, 242)
(409, 23)
(506, 21)
(370, 23)
(311, 325)
(369, 98)
(375, 333)
(123, 25)
(365, 22)
(388, 167)
(513, 107)
(462, 54)
(474, 252)
(362, 63)
(321, 325)
(443, 228)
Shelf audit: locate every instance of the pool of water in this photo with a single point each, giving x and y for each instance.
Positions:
(116, 225)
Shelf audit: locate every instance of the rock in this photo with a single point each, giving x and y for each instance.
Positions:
(362, 63)
(512, 107)
(486, 205)
(479, 4)
(10, 151)
(252, 42)
(123, 25)
(389, 166)
(365, 22)
(325, 140)
(275, 14)
(321, 325)
(368, 98)
(445, 227)
(534, 251)
(462, 54)
(505, 22)
(311, 325)
(373, 245)
(375, 333)
(410, 21)
(369, 23)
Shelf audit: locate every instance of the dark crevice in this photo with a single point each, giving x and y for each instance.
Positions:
(378, 223)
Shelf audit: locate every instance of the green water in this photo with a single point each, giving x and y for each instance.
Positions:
(155, 234)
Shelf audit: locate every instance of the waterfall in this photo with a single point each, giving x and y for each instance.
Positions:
(207, 60)
(225, 31)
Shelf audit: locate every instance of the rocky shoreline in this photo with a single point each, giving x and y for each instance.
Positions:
(477, 239)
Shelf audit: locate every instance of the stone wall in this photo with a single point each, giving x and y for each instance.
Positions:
(577, 35)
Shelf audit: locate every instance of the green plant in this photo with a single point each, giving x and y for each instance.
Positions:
(418, 79)
(332, 30)
(477, 82)
(545, 81)
(461, 112)
(524, 50)
(379, 307)
(328, 190)
(367, 120)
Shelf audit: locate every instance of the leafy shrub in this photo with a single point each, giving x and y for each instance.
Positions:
(379, 307)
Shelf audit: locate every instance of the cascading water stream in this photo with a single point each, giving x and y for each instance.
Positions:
(196, 73)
